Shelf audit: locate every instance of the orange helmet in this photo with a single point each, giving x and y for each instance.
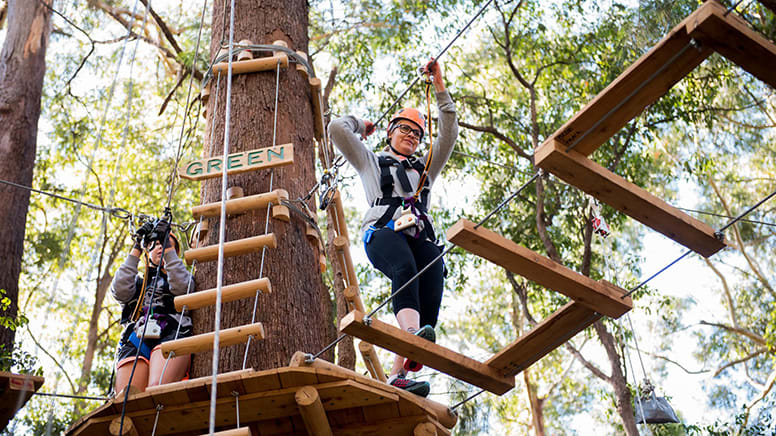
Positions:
(409, 114)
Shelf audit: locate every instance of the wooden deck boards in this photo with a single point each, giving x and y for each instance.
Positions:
(15, 391)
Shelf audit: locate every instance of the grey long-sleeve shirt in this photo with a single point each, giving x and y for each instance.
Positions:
(346, 132)
(124, 283)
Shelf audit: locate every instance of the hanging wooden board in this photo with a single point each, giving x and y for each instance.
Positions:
(428, 353)
(548, 335)
(204, 342)
(252, 65)
(240, 205)
(231, 248)
(602, 297)
(628, 198)
(252, 160)
(732, 37)
(232, 292)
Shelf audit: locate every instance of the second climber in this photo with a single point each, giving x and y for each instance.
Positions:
(399, 237)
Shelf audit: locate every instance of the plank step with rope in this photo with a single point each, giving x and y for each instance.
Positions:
(237, 291)
(204, 342)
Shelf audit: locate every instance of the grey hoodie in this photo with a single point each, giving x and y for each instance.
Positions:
(345, 132)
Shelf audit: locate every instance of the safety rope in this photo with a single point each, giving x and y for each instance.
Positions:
(116, 212)
(436, 58)
(222, 226)
(76, 397)
(430, 157)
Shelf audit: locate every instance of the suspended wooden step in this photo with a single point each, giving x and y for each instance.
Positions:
(602, 297)
(237, 291)
(548, 335)
(243, 431)
(204, 342)
(240, 205)
(15, 391)
(231, 248)
(269, 404)
(425, 352)
(628, 198)
(732, 37)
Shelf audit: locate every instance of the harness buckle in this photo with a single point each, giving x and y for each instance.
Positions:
(406, 220)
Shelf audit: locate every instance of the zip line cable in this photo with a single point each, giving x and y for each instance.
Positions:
(116, 212)
(436, 58)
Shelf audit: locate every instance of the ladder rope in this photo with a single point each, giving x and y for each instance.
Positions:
(267, 217)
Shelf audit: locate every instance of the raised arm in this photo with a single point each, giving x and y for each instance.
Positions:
(123, 285)
(447, 128)
(346, 133)
(179, 277)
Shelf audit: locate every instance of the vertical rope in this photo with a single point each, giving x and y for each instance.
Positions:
(266, 220)
(222, 226)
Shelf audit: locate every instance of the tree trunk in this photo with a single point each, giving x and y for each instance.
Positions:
(22, 67)
(537, 404)
(297, 315)
(622, 394)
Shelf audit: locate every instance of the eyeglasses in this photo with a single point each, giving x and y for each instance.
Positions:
(405, 129)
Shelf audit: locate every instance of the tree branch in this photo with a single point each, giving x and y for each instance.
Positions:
(56, 362)
(753, 336)
(498, 135)
(737, 361)
(163, 27)
(594, 369)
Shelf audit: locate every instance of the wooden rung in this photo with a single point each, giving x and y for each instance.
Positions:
(372, 362)
(245, 55)
(204, 342)
(425, 352)
(234, 192)
(628, 198)
(733, 38)
(342, 247)
(315, 85)
(280, 212)
(353, 298)
(242, 431)
(233, 292)
(232, 248)
(299, 67)
(597, 124)
(240, 205)
(252, 65)
(312, 235)
(310, 407)
(602, 297)
(543, 338)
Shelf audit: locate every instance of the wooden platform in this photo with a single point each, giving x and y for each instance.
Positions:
(353, 405)
(602, 297)
(15, 390)
(710, 28)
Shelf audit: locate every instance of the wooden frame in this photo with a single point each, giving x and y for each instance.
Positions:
(237, 291)
(231, 248)
(204, 342)
(311, 409)
(436, 356)
(709, 28)
(602, 297)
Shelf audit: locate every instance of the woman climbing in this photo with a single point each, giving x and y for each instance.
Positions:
(398, 234)
(134, 291)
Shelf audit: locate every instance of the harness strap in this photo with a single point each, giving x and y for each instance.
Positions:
(145, 350)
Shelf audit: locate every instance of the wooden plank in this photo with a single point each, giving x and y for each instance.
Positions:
(231, 248)
(372, 362)
(609, 111)
(733, 38)
(15, 391)
(242, 431)
(628, 198)
(296, 377)
(602, 297)
(204, 342)
(240, 162)
(315, 86)
(395, 426)
(425, 352)
(233, 292)
(543, 338)
(342, 247)
(311, 409)
(269, 63)
(240, 205)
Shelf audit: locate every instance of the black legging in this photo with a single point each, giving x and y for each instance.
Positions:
(400, 257)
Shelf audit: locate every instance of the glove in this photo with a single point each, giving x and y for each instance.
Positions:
(141, 234)
(162, 232)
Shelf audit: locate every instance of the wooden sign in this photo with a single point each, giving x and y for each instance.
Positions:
(239, 162)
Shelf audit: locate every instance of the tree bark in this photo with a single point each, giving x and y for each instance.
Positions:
(22, 67)
(297, 315)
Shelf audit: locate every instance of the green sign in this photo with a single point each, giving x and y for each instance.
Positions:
(239, 162)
